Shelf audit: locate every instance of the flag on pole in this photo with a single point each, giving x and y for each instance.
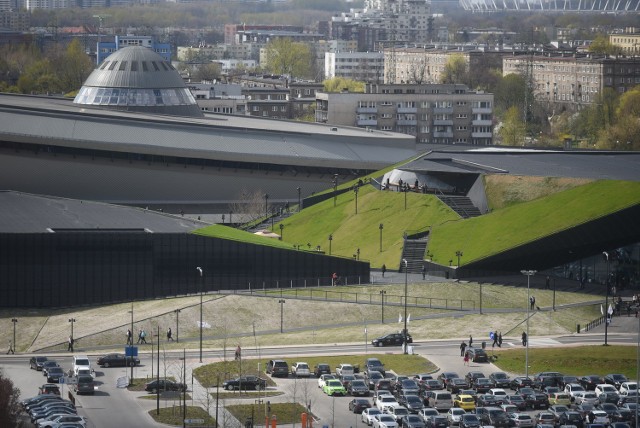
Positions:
(408, 317)
(399, 317)
(601, 310)
(610, 310)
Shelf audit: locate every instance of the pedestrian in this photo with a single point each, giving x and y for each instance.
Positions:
(470, 341)
(524, 339)
(238, 353)
(384, 269)
(547, 282)
(143, 336)
(139, 336)
(334, 279)
(532, 300)
(463, 346)
(70, 344)
(500, 340)
(466, 359)
(129, 337)
(424, 271)
(11, 350)
(169, 335)
(495, 340)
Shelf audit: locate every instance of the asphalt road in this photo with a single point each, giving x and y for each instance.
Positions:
(116, 407)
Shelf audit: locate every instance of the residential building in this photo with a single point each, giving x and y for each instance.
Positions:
(272, 103)
(629, 41)
(436, 114)
(235, 33)
(572, 82)
(15, 20)
(363, 66)
(107, 48)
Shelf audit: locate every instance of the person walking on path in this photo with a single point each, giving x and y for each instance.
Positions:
(143, 336)
(11, 350)
(463, 346)
(139, 336)
(70, 344)
(169, 335)
(238, 353)
(524, 339)
(500, 340)
(129, 337)
(470, 341)
(424, 271)
(384, 269)
(466, 359)
(495, 339)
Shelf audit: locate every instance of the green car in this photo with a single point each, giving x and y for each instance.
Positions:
(334, 387)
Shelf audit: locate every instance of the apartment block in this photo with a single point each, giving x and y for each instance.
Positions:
(362, 66)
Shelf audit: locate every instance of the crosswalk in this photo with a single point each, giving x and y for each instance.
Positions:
(535, 342)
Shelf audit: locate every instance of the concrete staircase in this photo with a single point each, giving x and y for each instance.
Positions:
(461, 205)
(413, 253)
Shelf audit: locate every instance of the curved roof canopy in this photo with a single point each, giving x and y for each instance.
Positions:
(136, 78)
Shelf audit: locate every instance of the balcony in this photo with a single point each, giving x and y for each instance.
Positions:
(482, 135)
(443, 122)
(407, 110)
(411, 122)
(442, 134)
(366, 122)
(442, 110)
(487, 122)
(367, 110)
(482, 110)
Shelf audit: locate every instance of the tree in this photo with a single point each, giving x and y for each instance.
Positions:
(286, 57)
(510, 92)
(455, 70)
(339, 84)
(9, 405)
(512, 131)
(73, 67)
(602, 45)
(207, 72)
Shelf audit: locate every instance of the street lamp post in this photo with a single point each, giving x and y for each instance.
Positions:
(406, 189)
(72, 320)
(131, 341)
(14, 321)
(528, 273)
(281, 227)
(299, 200)
(381, 227)
(201, 280)
(266, 205)
(355, 190)
(459, 254)
(281, 301)
(335, 188)
(406, 281)
(222, 218)
(177, 311)
(382, 293)
(358, 254)
(606, 300)
(330, 239)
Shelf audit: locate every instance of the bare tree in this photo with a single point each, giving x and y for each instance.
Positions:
(253, 204)
(9, 405)
(418, 71)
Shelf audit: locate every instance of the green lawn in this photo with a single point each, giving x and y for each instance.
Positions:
(284, 413)
(175, 415)
(518, 224)
(401, 364)
(582, 360)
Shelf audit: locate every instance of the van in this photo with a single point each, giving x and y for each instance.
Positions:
(278, 368)
(441, 400)
(81, 362)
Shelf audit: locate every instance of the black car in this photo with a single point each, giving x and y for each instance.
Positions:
(407, 387)
(500, 379)
(358, 387)
(411, 421)
(521, 382)
(477, 355)
(373, 378)
(456, 384)
(357, 405)
(571, 418)
(35, 363)
(439, 421)
(117, 360)
(609, 397)
(516, 400)
(47, 364)
(566, 380)
(615, 379)
(470, 377)
(589, 382)
(393, 339)
(320, 369)
(374, 365)
(483, 385)
(496, 417)
(411, 402)
(537, 400)
(469, 420)
(246, 383)
(488, 400)
(164, 385)
(278, 368)
(54, 374)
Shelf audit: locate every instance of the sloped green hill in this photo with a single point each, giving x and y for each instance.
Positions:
(505, 228)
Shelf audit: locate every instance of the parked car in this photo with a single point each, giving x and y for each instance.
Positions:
(84, 385)
(521, 382)
(626, 387)
(323, 379)
(161, 385)
(358, 387)
(560, 398)
(604, 387)
(469, 420)
(412, 402)
(398, 412)
(300, 369)
(589, 382)
(598, 417)
(386, 401)
(445, 376)
(488, 400)
(278, 368)
(357, 405)
(117, 360)
(245, 383)
(571, 418)
(482, 385)
(456, 384)
(566, 380)
(471, 377)
(520, 420)
(334, 387)
(545, 418)
(373, 378)
(465, 402)
(393, 339)
(517, 400)
(454, 414)
(345, 369)
(36, 362)
(557, 410)
(432, 385)
(320, 369)
(500, 379)
(374, 365)
(609, 397)
(428, 412)
(439, 421)
(572, 389)
(496, 417)
(384, 420)
(586, 397)
(58, 420)
(408, 387)
(615, 379)
(369, 414)
(412, 421)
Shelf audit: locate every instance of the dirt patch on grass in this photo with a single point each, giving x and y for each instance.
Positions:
(503, 191)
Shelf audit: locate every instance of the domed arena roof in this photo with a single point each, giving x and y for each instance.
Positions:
(136, 78)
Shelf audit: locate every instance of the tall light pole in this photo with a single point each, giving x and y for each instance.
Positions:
(131, 342)
(281, 301)
(14, 321)
(382, 293)
(406, 281)
(381, 227)
(177, 311)
(528, 273)
(335, 188)
(266, 205)
(201, 279)
(71, 320)
(330, 239)
(405, 190)
(606, 301)
(355, 190)
(281, 228)
(299, 200)
(458, 254)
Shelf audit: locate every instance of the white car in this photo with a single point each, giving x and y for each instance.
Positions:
(345, 369)
(385, 401)
(368, 415)
(81, 362)
(384, 421)
(379, 394)
(599, 417)
(397, 412)
(625, 387)
(300, 369)
(427, 412)
(573, 388)
(58, 419)
(454, 414)
(498, 392)
(322, 380)
(521, 420)
(604, 387)
(585, 397)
